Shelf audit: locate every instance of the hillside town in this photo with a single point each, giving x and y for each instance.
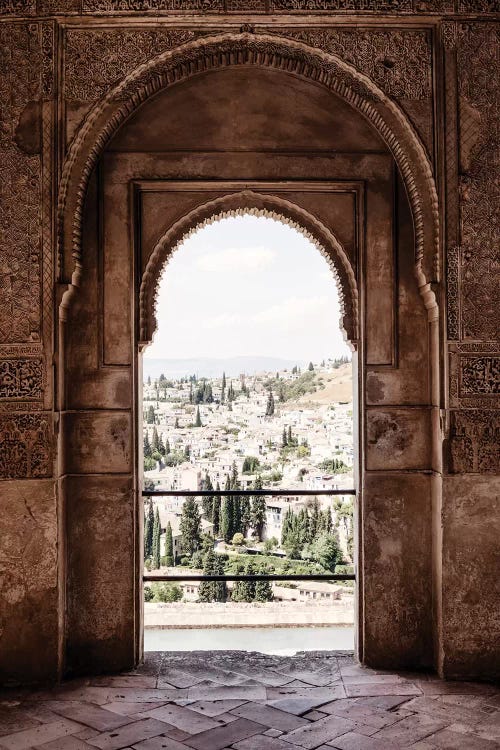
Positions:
(284, 430)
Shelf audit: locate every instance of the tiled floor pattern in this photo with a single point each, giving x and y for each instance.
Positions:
(221, 700)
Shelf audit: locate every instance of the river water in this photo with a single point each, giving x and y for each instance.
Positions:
(281, 641)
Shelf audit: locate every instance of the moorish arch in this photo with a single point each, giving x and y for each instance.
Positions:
(99, 349)
(247, 49)
(248, 202)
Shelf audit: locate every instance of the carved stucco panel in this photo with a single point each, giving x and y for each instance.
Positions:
(96, 59)
(478, 61)
(26, 446)
(21, 378)
(474, 441)
(20, 183)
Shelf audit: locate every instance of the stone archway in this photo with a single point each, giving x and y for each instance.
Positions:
(397, 414)
(249, 202)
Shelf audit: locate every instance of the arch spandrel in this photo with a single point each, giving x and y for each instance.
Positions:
(257, 204)
(272, 52)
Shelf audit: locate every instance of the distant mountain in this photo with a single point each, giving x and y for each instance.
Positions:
(212, 368)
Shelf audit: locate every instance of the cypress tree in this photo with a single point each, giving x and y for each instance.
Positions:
(226, 518)
(155, 442)
(150, 415)
(207, 503)
(161, 448)
(220, 587)
(148, 530)
(245, 515)
(216, 510)
(290, 436)
(198, 418)
(167, 447)
(238, 592)
(149, 379)
(190, 526)
(284, 439)
(206, 592)
(314, 520)
(259, 508)
(147, 445)
(155, 561)
(270, 405)
(169, 547)
(263, 591)
(248, 587)
(234, 484)
(310, 367)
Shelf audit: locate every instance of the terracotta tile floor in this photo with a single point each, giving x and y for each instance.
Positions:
(244, 701)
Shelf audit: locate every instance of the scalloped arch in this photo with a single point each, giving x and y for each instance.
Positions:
(257, 204)
(274, 52)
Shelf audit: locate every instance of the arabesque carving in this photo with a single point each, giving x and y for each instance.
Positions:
(20, 185)
(97, 59)
(252, 49)
(21, 378)
(474, 441)
(479, 375)
(399, 62)
(26, 441)
(479, 87)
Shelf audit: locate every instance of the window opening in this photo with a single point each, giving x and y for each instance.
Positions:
(247, 441)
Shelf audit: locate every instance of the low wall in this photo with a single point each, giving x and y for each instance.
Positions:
(241, 614)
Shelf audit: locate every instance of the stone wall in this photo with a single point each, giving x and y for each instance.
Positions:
(439, 62)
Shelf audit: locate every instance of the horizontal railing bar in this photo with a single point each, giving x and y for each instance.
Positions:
(243, 493)
(256, 577)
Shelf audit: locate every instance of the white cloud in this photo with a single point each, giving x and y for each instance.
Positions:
(293, 310)
(236, 259)
(226, 320)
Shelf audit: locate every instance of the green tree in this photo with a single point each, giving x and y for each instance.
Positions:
(149, 379)
(310, 367)
(150, 415)
(226, 519)
(147, 445)
(284, 439)
(207, 502)
(245, 515)
(155, 441)
(263, 591)
(206, 592)
(220, 586)
(155, 556)
(216, 512)
(326, 551)
(270, 405)
(258, 519)
(190, 526)
(169, 546)
(248, 587)
(148, 530)
(251, 464)
(198, 418)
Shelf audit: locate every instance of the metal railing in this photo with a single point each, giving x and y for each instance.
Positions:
(252, 576)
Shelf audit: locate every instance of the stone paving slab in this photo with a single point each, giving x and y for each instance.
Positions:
(183, 718)
(242, 701)
(270, 717)
(217, 739)
(262, 742)
(130, 734)
(39, 735)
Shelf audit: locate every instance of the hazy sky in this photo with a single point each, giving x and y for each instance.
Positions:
(247, 286)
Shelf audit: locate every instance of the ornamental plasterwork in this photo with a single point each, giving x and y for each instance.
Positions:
(478, 50)
(21, 378)
(96, 59)
(397, 61)
(20, 185)
(26, 446)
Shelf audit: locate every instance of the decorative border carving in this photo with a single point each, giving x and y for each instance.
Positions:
(453, 291)
(26, 441)
(474, 374)
(477, 49)
(257, 204)
(97, 59)
(251, 49)
(474, 441)
(21, 378)
(399, 61)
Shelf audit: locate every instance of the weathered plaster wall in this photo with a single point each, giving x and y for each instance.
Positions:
(439, 62)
